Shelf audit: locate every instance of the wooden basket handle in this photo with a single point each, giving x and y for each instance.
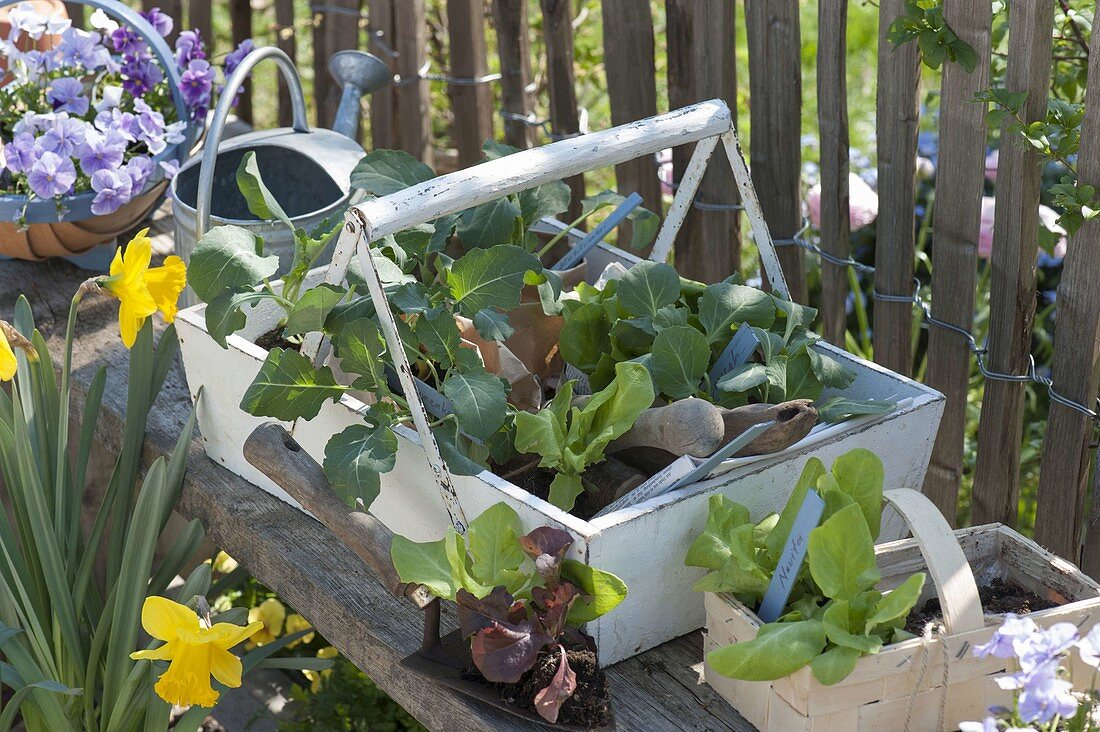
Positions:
(950, 570)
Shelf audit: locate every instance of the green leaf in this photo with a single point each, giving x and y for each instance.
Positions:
(489, 224)
(564, 490)
(490, 278)
(838, 408)
(647, 287)
(479, 402)
(795, 315)
(829, 371)
(778, 650)
(842, 555)
(224, 316)
(360, 348)
(225, 259)
(859, 473)
(456, 450)
(645, 221)
(585, 337)
(494, 545)
(312, 309)
(358, 308)
(811, 471)
(610, 413)
(800, 382)
(289, 387)
(838, 624)
(897, 603)
(424, 563)
(549, 199)
(355, 457)
(261, 202)
(834, 665)
(711, 548)
(382, 172)
(493, 325)
(388, 271)
(411, 298)
(724, 305)
(743, 377)
(680, 358)
(438, 333)
(600, 591)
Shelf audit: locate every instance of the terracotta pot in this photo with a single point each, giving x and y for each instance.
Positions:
(45, 7)
(40, 241)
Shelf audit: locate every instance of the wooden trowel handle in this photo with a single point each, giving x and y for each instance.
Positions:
(272, 451)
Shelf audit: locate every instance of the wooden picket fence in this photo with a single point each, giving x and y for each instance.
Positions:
(699, 38)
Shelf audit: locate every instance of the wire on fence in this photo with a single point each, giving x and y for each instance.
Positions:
(979, 352)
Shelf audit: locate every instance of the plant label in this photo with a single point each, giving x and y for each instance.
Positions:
(574, 256)
(582, 386)
(705, 467)
(737, 352)
(790, 561)
(434, 401)
(660, 483)
(613, 271)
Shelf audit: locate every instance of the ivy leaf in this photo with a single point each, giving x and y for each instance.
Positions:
(489, 224)
(493, 325)
(724, 305)
(479, 402)
(225, 259)
(312, 309)
(680, 358)
(647, 287)
(382, 172)
(261, 202)
(289, 387)
(355, 457)
(842, 555)
(778, 650)
(490, 278)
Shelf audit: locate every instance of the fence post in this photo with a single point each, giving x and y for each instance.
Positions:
(557, 26)
(1063, 481)
(956, 220)
(381, 41)
(702, 64)
(632, 87)
(896, 126)
(1012, 293)
(285, 40)
(240, 20)
(413, 116)
(832, 118)
(775, 147)
(338, 30)
(513, 48)
(472, 105)
(199, 17)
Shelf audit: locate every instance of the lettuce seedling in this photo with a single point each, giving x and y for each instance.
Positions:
(834, 614)
(517, 595)
(569, 438)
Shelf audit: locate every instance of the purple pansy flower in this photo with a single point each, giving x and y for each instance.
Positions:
(1089, 647)
(67, 95)
(51, 175)
(150, 127)
(128, 41)
(989, 724)
(140, 75)
(233, 60)
(196, 82)
(189, 47)
(124, 123)
(1002, 643)
(20, 153)
(1046, 698)
(161, 22)
(83, 48)
(170, 167)
(62, 137)
(113, 188)
(111, 97)
(139, 168)
(101, 151)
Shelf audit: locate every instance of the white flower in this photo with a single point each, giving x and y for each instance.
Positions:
(101, 21)
(112, 97)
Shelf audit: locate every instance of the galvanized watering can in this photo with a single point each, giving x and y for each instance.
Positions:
(308, 170)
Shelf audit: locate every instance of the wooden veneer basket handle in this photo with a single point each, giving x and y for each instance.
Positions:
(950, 570)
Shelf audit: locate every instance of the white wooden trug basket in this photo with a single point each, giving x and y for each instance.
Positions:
(907, 681)
(644, 544)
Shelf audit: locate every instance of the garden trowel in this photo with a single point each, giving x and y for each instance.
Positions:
(446, 660)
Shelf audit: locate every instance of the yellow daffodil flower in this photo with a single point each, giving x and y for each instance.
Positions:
(317, 678)
(294, 624)
(270, 614)
(142, 291)
(8, 364)
(195, 650)
(224, 564)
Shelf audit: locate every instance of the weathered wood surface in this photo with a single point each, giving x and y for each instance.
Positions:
(832, 119)
(472, 104)
(337, 31)
(557, 26)
(1063, 482)
(514, 51)
(1012, 285)
(286, 41)
(898, 115)
(240, 16)
(775, 88)
(383, 130)
(702, 64)
(305, 563)
(413, 115)
(955, 223)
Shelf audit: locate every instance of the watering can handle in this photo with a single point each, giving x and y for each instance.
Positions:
(221, 113)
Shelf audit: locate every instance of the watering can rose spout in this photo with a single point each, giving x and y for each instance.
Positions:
(357, 73)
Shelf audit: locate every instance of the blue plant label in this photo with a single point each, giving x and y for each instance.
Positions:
(575, 374)
(737, 352)
(704, 468)
(574, 256)
(434, 401)
(659, 484)
(790, 561)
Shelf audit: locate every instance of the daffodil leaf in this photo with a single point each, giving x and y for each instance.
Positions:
(226, 259)
(289, 387)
